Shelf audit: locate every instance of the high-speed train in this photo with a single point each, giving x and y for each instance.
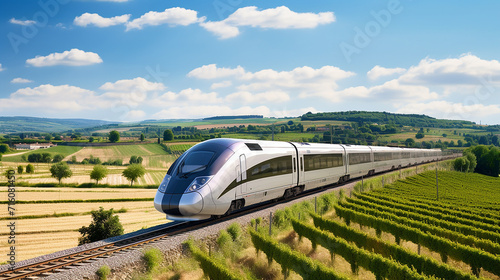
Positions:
(218, 176)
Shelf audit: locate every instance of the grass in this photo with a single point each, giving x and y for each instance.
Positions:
(64, 150)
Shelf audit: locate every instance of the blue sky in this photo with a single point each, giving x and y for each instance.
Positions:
(133, 60)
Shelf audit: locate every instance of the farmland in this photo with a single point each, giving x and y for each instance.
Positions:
(155, 159)
(39, 224)
(395, 229)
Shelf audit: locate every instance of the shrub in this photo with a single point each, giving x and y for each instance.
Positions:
(235, 231)
(153, 258)
(20, 169)
(225, 242)
(104, 225)
(103, 272)
(30, 169)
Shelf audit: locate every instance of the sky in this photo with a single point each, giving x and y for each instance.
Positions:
(132, 60)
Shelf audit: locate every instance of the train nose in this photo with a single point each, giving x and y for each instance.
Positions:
(187, 204)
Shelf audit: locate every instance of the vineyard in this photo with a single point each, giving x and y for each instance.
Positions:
(399, 231)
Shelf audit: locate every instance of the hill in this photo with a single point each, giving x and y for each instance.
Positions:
(387, 118)
(32, 124)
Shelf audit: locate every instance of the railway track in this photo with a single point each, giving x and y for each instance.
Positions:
(69, 261)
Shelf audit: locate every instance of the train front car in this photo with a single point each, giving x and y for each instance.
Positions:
(186, 191)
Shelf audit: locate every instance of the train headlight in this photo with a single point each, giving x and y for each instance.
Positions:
(198, 183)
(164, 183)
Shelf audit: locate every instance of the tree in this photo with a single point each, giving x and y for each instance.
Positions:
(46, 157)
(104, 225)
(58, 158)
(114, 136)
(133, 159)
(409, 142)
(35, 157)
(98, 173)
(142, 137)
(461, 164)
(133, 172)
(20, 169)
(30, 169)
(139, 159)
(91, 139)
(168, 135)
(73, 159)
(4, 148)
(420, 135)
(60, 170)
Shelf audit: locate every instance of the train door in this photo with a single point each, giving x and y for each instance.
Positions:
(301, 169)
(295, 171)
(242, 174)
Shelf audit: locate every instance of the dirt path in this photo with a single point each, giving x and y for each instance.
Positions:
(16, 154)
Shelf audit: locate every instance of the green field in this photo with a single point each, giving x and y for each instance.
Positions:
(64, 150)
(135, 150)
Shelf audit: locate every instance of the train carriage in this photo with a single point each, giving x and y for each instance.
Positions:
(218, 176)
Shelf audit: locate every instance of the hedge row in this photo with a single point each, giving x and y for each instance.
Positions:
(380, 266)
(78, 200)
(83, 185)
(292, 260)
(454, 206)
(467, 235)
(439, 213)
(476, 258)
(212, 269)
(421, 263)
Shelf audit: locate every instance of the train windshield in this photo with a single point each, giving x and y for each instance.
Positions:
(195, 161)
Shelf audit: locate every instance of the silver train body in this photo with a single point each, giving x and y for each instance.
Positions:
(222, 175)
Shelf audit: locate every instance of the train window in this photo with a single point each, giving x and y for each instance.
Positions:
(196, 161)
(316, 162)
(172, 167)
(301, 165)
(382, 156)
(358, 158)
(272, 167)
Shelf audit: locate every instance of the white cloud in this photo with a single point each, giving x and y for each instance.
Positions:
(221, 29)
(95, 19)
(134, 115)
(211, 71)
(74, 57)
(186, 96)
(172, 16)
(468, 69)
(1, 68)
(200, 111)
(222, 84)
(20, 81)
(133, 85)
(450, 110)
(274, 18)
(49, 98)
(22, 22)
(378, 71)
(304, 82)
(245, 97)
